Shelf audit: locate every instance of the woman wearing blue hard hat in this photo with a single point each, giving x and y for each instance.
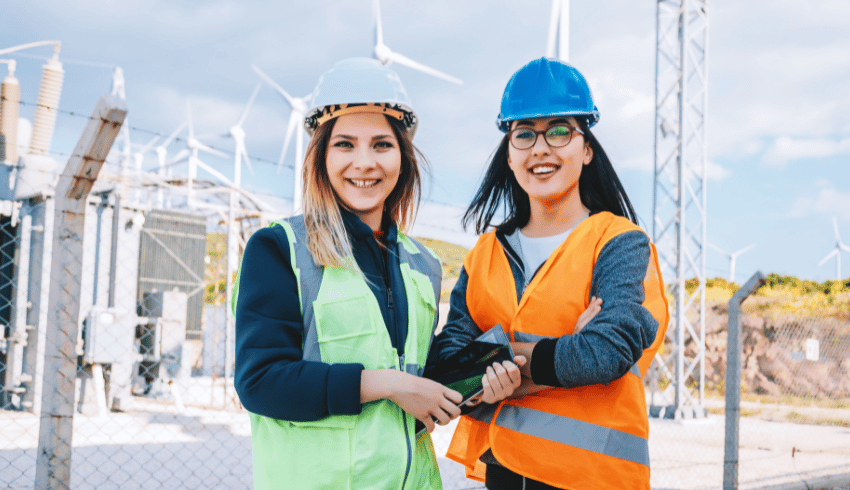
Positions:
(573, 279)
(336, 308)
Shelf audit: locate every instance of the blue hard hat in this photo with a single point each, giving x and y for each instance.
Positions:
(546, 87)
(360, 85)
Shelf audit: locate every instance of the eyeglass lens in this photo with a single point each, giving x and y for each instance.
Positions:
(556, 136)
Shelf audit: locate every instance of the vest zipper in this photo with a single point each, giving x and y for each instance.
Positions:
(390, 306)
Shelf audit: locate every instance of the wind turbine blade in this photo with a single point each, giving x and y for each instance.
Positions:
(212, 151)
(745, 249)
(553, 29)
(215, 173)
(247, 160)
(835, 226)
(173, 135)
(718, 249)
(404, 60)
(178, 158)
(828, 256)
(844, 247)
(290, 129)
(248, 107)
(274, 85)
(376, 15)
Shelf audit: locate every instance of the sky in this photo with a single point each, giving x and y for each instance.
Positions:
(778, 116)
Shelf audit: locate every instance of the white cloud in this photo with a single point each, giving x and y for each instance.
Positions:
(828, 201)
(714, 171)
(786, 149)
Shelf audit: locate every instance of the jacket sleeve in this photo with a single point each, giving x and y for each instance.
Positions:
(459, 329)
(271, 377)
(614, 340)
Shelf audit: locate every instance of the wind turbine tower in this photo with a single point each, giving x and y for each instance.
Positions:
(839, 246)
(558, 45)
(679, 198)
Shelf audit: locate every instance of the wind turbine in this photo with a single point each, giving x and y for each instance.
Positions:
(386, 56)
(296, 119)
(190, 154)
(733, 256)
(238, 134)
(558, 45)
(839, 245)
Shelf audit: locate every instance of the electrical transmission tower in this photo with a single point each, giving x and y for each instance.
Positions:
(679, 199)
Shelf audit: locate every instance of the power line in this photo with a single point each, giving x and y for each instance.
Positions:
(143, 130)
(179, 139)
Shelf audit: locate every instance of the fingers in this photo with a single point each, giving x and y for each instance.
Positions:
(520, 361)
(499, 378)
(513, 373)
(453, 396)
(593, 308)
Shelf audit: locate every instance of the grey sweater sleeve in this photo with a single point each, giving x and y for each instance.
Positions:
(615, 339)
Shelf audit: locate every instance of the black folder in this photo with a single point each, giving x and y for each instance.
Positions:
(464, 370)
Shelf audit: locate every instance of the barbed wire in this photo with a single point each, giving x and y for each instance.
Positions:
(146, 131)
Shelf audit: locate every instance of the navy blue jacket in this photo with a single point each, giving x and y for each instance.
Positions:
(271, 377)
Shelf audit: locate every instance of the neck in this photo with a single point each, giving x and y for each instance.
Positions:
(372, 219)
(553, 217)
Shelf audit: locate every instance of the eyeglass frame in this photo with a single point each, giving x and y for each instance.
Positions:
(543, 132)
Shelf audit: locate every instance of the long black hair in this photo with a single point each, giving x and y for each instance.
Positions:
(599, 189)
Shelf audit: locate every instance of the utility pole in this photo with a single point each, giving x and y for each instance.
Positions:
(679, 198)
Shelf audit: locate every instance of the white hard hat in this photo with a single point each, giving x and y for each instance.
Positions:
(360, 85)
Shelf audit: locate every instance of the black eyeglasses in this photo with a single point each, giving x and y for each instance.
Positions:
(556, 136)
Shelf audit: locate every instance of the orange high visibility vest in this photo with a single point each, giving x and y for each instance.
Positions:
(589, 437)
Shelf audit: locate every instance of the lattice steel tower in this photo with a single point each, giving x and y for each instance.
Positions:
(679, 199)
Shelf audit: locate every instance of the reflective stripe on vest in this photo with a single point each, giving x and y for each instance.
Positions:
(564, 430)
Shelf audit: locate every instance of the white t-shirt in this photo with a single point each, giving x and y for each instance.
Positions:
(535, 251)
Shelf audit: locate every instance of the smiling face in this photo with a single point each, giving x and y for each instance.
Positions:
(550, 175)
(363, 163)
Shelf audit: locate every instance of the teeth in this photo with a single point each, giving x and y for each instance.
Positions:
(363, 183)
(543, 169)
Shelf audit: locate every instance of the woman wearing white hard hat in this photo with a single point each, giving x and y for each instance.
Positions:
(574, 280)
(336, 308)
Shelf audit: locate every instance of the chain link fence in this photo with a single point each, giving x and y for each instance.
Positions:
(795, 402)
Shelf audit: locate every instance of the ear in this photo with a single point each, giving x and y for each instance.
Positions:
(588, 154)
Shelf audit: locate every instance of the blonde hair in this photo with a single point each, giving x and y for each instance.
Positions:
(327, 238)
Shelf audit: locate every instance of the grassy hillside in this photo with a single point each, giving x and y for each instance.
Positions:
(786, 294)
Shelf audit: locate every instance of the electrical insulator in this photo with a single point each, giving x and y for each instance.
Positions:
(48, 102)
(10, 99)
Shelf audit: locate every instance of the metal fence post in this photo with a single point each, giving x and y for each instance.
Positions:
(53, 467)
(734, 350)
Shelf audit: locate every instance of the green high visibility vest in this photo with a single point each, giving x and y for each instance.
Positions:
(377, 449)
